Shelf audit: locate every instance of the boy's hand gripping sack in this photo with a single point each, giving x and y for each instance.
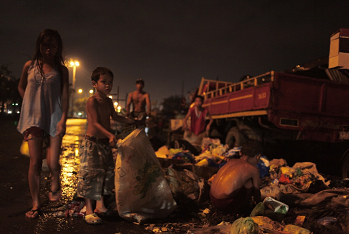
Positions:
(141, 189)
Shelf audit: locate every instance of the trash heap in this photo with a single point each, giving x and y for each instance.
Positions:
(296, 199)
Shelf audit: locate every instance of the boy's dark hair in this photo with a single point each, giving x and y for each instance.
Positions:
(96, 74)
(251, 148)
(140, 81)
(199, 96)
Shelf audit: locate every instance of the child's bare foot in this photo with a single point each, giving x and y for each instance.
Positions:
(33, 213)
(55, 195)
(102, 211)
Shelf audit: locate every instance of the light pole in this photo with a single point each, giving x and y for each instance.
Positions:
(73, 64)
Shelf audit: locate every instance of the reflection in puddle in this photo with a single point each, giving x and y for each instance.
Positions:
(69, 159)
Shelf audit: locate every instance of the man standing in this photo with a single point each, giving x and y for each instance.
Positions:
(139, 99)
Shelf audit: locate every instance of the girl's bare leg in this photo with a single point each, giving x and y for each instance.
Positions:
(35, 151)
(52, 158)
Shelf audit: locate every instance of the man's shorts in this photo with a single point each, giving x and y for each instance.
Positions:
(96, 175)
(233, 203)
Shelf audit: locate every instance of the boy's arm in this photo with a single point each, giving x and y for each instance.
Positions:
(147, 99)
(119, 118)
(91, 109)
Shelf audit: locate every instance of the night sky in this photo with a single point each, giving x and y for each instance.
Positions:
(167, 42)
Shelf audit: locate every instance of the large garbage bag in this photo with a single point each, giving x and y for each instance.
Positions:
(317, 198)
(185, 183)
(141, 189)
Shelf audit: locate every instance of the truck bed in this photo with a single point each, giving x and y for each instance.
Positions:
(288, 101)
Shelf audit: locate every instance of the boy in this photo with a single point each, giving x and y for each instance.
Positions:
(96, 175)
(238, 180)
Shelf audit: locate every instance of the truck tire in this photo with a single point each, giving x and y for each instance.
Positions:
(345, 165)
(234, 138)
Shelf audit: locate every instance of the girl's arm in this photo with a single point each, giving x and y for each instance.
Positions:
(61, 125)
(65, 93)
(24, 79)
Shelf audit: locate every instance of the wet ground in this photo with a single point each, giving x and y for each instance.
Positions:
(15, 197)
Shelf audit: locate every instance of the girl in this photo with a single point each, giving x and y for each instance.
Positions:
(44, 87)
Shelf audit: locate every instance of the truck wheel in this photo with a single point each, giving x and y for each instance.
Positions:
(234, 138)
(345, 165)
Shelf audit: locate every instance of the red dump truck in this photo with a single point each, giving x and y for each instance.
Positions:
(300, 114)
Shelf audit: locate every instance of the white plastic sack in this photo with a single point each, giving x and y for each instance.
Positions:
(141, 189)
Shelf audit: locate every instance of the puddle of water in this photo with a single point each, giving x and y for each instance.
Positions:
(69, 159)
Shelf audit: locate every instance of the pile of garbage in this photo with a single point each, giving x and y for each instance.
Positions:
(212, 153)
(296, 199)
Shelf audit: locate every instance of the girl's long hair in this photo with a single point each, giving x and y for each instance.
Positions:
(58, 60)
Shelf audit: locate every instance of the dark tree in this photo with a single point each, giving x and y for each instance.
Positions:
(8, 87)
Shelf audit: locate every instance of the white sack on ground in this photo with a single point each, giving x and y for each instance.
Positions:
(141, 189)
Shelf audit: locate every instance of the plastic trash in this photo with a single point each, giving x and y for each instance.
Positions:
(299, 220)
(289, 171)
(275, 205)
(244, 225)
(258, 210)
(234, 152)
(183, 157)
(24, 149)
(284, 179)
(203, 162)
(327, 220)
(266, 224)
(270, 208)
(274, 182)
(295, 229)
(271, 191)
(263, 166)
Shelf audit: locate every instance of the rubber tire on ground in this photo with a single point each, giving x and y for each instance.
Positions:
(234, 138)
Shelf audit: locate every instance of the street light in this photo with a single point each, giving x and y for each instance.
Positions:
(79, 90)
(73, 64)
(91, 91)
